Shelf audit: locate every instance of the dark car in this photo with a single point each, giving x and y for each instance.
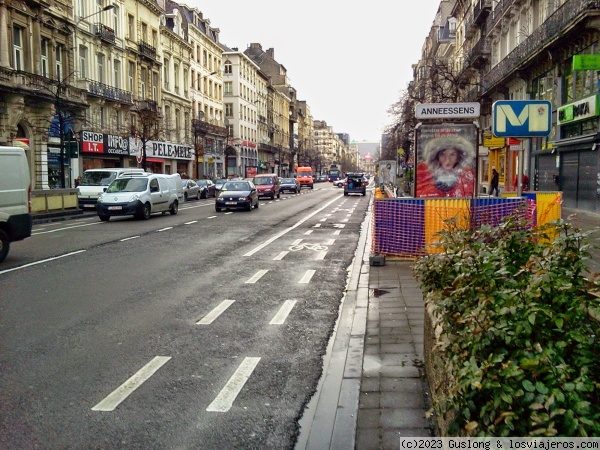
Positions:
(355, 183)
(219, 184)
(237, 195)
(289, 185)
(207, 188)
(267, 185)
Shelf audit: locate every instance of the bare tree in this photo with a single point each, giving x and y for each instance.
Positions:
(147, 127)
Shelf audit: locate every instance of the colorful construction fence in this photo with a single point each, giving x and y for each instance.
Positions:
(407, 227)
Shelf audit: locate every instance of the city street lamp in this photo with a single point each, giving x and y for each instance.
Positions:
(106, 8)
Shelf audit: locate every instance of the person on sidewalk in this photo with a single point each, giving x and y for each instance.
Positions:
(524, 183)
(494, 183)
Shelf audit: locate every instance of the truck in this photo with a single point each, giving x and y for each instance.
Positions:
(304, 175)
(16, 220)
(334, 173)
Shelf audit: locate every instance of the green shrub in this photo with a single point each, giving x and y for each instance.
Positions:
(520, 351)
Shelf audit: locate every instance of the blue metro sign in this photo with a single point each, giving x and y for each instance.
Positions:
(521, 118)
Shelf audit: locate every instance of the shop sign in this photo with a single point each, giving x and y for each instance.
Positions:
(447, 110)
(491, 141)
(580, 110)
(586, 62)
(108, 144)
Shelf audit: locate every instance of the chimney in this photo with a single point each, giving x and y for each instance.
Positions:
(271, 52)
(256, 45)
(235, 49)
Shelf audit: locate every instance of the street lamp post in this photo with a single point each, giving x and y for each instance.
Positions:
(106, 8)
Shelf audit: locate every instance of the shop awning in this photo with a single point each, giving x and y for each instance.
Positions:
(155, 160)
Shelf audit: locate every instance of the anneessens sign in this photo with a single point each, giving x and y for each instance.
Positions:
(583, 109)
(447, 110)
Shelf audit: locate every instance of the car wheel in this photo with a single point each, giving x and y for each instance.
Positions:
(4, 244)
(278, 194)
(104, 218)
(249, 208)
(256, 206)
(174, 208)
(345, 193)
(217, 209)
(146, 211)
(185, 197)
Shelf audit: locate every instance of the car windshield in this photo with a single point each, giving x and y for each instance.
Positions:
(220, 182)
(97, 178)
(128, 185)
(288, 181)
(202, 182)
(263, 180)
(236, 186)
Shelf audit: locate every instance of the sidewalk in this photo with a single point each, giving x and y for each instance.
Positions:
(373, 389)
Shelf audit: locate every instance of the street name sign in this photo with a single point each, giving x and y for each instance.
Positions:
(521, 118)
(447, 110)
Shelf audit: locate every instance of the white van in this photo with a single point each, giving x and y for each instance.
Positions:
(95, 181)
(139, 195)
(15, 190)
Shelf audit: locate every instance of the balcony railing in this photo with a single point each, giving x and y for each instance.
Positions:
(41, 85)
(105, 33)
(569, 14)
(481, 10)
(109, 92)
(202, 127)
(147, 50)
(148, 105)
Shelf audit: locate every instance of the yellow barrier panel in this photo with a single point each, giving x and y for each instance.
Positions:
(437, 211)
(548, 207)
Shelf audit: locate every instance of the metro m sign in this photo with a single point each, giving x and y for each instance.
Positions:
(521, 118)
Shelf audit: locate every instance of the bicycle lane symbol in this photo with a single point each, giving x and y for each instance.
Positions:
(308, 246)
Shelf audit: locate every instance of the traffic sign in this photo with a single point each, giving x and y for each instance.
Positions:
(521, 118)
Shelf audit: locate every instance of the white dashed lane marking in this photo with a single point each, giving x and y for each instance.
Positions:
(280, 256)
(283, 313)
(122, 392)
(224, 401)
(257, 276)
(307, 277)
(212, 316)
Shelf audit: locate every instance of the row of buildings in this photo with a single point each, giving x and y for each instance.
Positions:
(488, 50)
(148, 83)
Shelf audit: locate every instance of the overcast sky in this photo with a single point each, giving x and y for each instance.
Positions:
(350, 61)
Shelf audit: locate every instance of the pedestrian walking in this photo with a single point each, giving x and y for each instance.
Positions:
(494, 183)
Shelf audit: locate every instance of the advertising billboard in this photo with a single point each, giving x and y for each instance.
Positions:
(446, 158)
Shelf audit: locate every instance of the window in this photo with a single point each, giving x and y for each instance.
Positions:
(143, 82)
(82, 61)
(102, 117)
(155, 86)
(115, 19)
(131, 75)
(228, 67)
(130, 27)
(166, 73)
(81, 8)
(18, 48)
(117, 73)
(59, 53)
(100, 62)
(228, 88)
(228, 109)
(176, 78)
(44, 52)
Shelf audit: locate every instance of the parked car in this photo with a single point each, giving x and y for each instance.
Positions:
(321, 178)
(267, 185)
(237, 195)
(339, 183)
(190, 190)
(289, 185)
(207, 188)
(356, 183)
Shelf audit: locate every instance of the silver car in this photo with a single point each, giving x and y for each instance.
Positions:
(190, 190)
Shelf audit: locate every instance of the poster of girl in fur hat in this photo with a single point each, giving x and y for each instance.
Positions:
(446, 161)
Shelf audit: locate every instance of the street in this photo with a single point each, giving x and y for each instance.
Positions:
(199, 330)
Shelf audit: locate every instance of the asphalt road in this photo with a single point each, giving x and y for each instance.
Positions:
(201, 330)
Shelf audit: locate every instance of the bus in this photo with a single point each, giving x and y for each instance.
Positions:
(334, 173)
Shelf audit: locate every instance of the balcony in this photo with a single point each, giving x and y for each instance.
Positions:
(571, 14)
(146, 50)
(201, 127)
(148, 105)
(105, 33)
(481, 10)
(479, 55)
(38, 85)
(108, 92)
